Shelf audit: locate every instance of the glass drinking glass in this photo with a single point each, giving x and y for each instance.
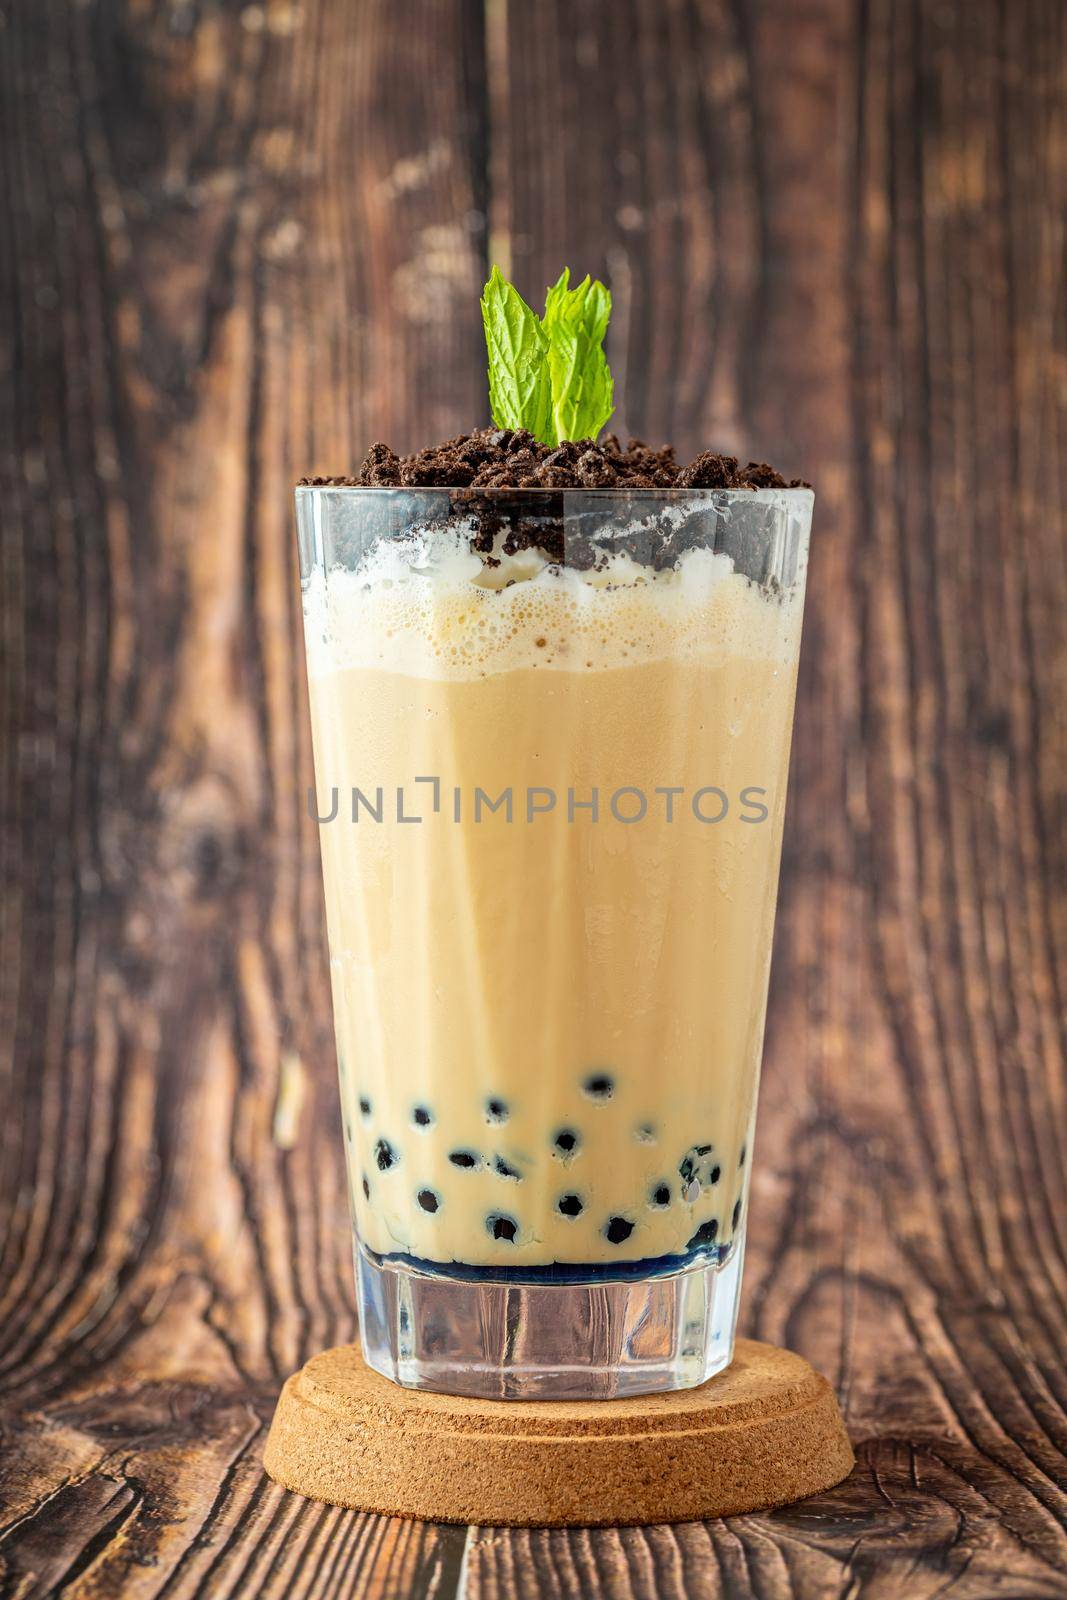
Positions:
(551, 733)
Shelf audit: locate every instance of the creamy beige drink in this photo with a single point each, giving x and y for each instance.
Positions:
(550, 921)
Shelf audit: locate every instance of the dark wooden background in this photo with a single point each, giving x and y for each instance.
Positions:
(239, 242)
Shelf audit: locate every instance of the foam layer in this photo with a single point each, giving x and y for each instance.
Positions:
(429, 607)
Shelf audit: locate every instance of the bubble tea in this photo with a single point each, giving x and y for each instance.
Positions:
(551, 737)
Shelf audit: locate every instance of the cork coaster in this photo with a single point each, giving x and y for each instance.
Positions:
(765, 1432)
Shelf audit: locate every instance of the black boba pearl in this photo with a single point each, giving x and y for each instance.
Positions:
(705, 1234)
(385, 1155)
(501, 1227)
(569, 1205)
(599, 1086)
(463, 1158)
(744, 1153)
(421, 1117)
(618, 1230)
(505, 1169)
(428, 1200)
(496, 1111)
(566, 1141)
(688, 1164)
(366, 1189)
(660, 1196)
(736, 1216)
(693, 1166)
(715, 1175)
(364, 1106)
(348, 1132)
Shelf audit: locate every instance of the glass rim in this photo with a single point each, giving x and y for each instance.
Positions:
(796, 494)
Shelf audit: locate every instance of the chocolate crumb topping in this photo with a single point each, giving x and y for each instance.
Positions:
(505, 458)
(473, 473)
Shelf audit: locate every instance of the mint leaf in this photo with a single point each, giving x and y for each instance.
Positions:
(555, 297)
(520, 383)
(582, 390)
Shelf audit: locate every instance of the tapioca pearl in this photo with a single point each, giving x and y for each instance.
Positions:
(660, 1196)
(714, 1175)
(705, 1234)
(497, 1111)
(364, 1106)
(566, 1143)
(618, 1229)
(744, 1153)
(429, 1200)
(599, 1086)
(736, 1216)
(348, 1131)
(505, 1169)
(645, 1133)
(691, 1159)
(499, 1226)
(422, 1117)
(570, 1205)
(697, 1166)
(467, 1159)
(366, 1189)
(384, 1155)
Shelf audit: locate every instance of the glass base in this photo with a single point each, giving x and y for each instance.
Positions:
(591, 1340)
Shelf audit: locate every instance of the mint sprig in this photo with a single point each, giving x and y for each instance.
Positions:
(548, 375)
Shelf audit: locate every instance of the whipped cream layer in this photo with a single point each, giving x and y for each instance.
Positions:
(429, 606)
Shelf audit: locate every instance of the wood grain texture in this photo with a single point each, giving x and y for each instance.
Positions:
(241, 241)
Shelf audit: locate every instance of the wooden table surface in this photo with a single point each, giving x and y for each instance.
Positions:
(240, 241)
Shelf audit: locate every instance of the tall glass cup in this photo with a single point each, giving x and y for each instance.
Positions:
(551, 735)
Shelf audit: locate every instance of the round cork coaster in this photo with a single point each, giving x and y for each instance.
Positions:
(762, 1433)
